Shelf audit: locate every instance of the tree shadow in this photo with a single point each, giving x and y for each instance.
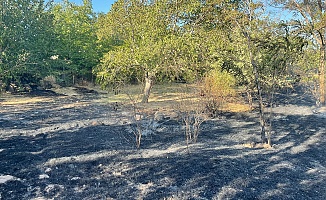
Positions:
(62, 160)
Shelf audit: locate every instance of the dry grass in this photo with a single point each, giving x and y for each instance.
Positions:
(257, 145)
(236, 107)
(19, 100)
(160, 93)
(163, 97)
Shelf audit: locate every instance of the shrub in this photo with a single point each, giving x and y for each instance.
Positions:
(217, 88)
(192, 114)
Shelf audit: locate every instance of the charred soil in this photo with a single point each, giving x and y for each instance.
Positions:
(77, 147)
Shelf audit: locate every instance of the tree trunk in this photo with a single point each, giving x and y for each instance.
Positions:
(321, 75)
(261, 105)
(259, 90)
(148, 87)
(256, 75)
(249, 96)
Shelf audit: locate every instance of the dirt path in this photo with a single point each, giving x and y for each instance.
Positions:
(75, 147)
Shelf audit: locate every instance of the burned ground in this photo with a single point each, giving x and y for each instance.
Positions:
(76, 147)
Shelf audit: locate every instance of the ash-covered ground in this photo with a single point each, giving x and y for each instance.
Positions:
(75, 147)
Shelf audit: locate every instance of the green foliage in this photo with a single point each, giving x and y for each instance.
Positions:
(219, 84)
(279, 53)
(217, 87)
(76, 45)
(169, 39)
(310, 22)
(163, 40)
(25, 40)
(39, 39)
(134, 30)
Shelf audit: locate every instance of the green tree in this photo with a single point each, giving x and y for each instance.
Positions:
(25, 40)
(161, 39)
(137, 31)
(265, 53)
(312, 23)
(76, 46)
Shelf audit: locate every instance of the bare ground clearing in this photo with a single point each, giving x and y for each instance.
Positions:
(79, 147)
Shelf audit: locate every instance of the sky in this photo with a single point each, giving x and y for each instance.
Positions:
(98, 5)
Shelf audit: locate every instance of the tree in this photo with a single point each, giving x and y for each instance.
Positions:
(25, 40)
(76, 45)
(138, 31)
(312, 23)
(265, 53)
(249, 26)
(152, 39)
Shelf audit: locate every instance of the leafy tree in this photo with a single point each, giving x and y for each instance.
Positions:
(264, 53)
(311, 22)
(76, 45)
(25, 40)
(138, 31)
(248, 26)
(307, 69)
(160, 39)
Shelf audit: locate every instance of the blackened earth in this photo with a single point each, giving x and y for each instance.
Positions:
(75, 147)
